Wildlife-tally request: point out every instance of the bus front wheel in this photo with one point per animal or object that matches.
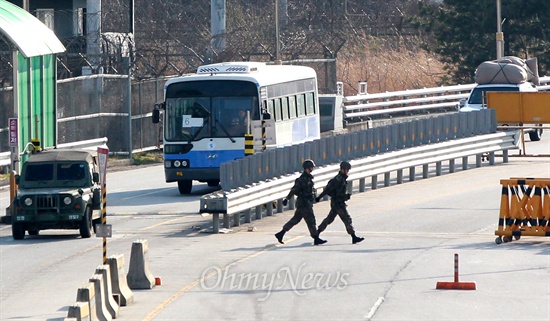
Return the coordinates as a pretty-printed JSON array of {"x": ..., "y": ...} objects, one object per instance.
[{"x": 185, "y": 186}]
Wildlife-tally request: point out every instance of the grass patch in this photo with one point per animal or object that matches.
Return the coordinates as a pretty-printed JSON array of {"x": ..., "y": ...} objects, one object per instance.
[{"x": 147, "y": 158}]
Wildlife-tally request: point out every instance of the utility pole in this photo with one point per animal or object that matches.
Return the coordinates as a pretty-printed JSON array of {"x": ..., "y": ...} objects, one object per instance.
[
  {"x": 499, "y": 34},
  {"x": 277, "y": 46}
]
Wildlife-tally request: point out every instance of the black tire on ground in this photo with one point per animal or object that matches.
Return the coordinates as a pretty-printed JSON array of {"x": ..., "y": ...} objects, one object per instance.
[
  {"x": 86, "y": 224},
  {"x": 535, "y": 135},
  {"x": 213, "y": 183},
  {"x": 185, "y": 186},
  {"x": 18, "y": 231}
]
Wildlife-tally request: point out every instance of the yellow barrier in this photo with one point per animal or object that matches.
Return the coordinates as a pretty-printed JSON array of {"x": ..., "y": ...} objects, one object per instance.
[
  {"x": 520, "y": 107},
  {"x": 248, "y": 144},
  {"x": 524, "y": 208}
]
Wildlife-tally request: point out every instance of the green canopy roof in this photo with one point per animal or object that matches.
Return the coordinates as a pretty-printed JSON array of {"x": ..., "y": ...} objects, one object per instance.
[{"x": 28, "y": 34}]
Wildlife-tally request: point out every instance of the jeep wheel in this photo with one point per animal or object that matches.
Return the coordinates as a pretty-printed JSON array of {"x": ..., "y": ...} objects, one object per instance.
[
  {"x": 185, "y": 186},
  {"x": 18, "y": 231},
  {"x": 86, "y": 224}
]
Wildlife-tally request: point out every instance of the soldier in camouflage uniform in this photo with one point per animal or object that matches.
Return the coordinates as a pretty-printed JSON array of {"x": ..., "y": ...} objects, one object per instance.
[
  {"x": 303, "y": 189},
  {"x": 337, "y": 190}
]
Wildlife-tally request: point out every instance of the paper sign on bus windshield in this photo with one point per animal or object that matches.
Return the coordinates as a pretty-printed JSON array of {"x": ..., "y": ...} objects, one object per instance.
[{"x": 188, "y": 121}]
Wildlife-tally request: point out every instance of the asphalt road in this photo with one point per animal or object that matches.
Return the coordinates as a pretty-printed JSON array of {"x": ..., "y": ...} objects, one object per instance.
[{"x": 412, "y": 232}]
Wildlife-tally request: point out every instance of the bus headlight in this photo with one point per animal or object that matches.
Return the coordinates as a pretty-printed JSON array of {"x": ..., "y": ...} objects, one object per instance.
[
  {"x": 184, "y": 163},
  {"x": 167, "y": 164},
  {"x": 177, "y": 163}
]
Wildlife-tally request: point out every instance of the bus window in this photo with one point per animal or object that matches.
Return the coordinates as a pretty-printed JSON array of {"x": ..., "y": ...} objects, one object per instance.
[
  {"x": 301, "y": 104},
  {"x": 284, "y": 107},
  {"x": 310, "y": 104},
  {"x": 292, "y": 106},
  {"x": 278, "y": 111},
  {"x": 270, "y": 110}
]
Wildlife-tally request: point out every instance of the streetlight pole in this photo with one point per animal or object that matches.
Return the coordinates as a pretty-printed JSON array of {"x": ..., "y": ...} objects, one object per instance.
[{"x": 499, "y": 34}]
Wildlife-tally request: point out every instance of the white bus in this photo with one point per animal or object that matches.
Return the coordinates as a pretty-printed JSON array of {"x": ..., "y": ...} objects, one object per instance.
[{"x": 206, "y": 116}]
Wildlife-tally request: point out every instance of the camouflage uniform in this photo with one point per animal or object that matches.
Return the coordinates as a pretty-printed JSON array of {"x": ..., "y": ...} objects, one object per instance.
[
  {"x": 303, "y": 189},
  {"x": 337, "y": 190}
]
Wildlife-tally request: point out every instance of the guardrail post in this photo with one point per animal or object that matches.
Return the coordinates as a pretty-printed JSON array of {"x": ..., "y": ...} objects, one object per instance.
[
  {"x": 451, "y": 165},
  {"x": 259, "y": 212},
  {"x": 361, "y": 185},
  {"x": 269, "y": 209},
  {"x": 216, "y": 223},
  {"x": 292, "y": 203},
  {"x": 438, "y": 169},
  {"x": 465, "y": 162},
  {"x": 425, "y": 171},
  {"x": 386, "y": 179},
  {"x": 505, "y": 156},
  {"x": 478, "y": 160},
  {"x": 226, "y": 223},
  {"x": 237, "y": 219},
  {"x": 399, "y": 176},
  {"x": 248, "y": 215},
  {"x": 491, "y": 158},
  {"x": 280, "y": 206},
  {"x": 412, "y": 173}
]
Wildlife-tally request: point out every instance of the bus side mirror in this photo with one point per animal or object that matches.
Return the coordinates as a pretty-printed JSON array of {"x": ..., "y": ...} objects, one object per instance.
[
  {"x": 156, "y": 112},
  {"x": 156, "y": 116},
  {"x": 95, "y": 177},
  {"x": 17, "y": 179}
]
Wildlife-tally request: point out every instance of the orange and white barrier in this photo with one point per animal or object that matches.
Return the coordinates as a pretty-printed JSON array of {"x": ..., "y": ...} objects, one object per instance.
[{"x": 524, "y": 209}]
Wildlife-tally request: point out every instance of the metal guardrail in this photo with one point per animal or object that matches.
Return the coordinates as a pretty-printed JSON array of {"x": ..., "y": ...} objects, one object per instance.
[
  {"x": 445, "y": 97},
  {"x": 5, "y": 159},
  {"x": 262, "y": 194},
  {"x": 354, "y": 145}
]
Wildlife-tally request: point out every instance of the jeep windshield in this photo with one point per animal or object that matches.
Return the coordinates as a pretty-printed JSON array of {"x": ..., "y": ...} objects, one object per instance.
[{"x": 59, "y": 174}]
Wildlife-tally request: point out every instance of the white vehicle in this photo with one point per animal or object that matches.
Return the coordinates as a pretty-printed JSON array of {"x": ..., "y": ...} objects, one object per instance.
[
  {"x": 478, "y": 100},
  {"x": 201, "y": 128}
]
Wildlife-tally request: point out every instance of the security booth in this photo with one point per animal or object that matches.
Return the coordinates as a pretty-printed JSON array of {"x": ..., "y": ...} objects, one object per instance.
[{"x": 34, "y": 80}]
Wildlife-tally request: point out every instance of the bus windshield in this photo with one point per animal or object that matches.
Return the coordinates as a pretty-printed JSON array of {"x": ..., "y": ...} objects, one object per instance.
[{"x": 194, "y": 117}]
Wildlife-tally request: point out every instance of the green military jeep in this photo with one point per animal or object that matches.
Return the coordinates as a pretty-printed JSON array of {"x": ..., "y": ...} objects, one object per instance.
[{"x": 58, "y": 189}]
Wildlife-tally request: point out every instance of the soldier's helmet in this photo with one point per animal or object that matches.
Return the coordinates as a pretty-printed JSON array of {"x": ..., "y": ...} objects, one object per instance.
[
  {"x": 308, "y": 163},
  {"x": 345, "y": 165}
]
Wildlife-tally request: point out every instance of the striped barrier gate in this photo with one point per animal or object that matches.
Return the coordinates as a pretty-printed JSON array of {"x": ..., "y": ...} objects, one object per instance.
[{"x": 524, "y": 209}]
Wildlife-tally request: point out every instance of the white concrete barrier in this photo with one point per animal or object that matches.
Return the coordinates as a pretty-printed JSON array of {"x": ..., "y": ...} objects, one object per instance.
[
  {"x": 86, "y": 294},
  {"x": 101, "y": 309},
  {"x": 80, "y": 311},
  {"x": 118, "y": 279},
  {"x": 110, "y": 303},
  {"x": 139, "y": 276}
]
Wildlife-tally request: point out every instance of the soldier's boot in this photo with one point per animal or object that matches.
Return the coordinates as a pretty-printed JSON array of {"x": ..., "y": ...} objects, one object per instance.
[
  {"x": 318, "y": 241},
  {"x": 356, "y": 239},
  {"x": 280, "y": 235}
]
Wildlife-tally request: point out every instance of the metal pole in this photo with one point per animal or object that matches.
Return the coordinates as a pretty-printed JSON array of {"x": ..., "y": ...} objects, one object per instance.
[
  {"x": 499, "y": 34},
  {"x": 277, "y": 46}
]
